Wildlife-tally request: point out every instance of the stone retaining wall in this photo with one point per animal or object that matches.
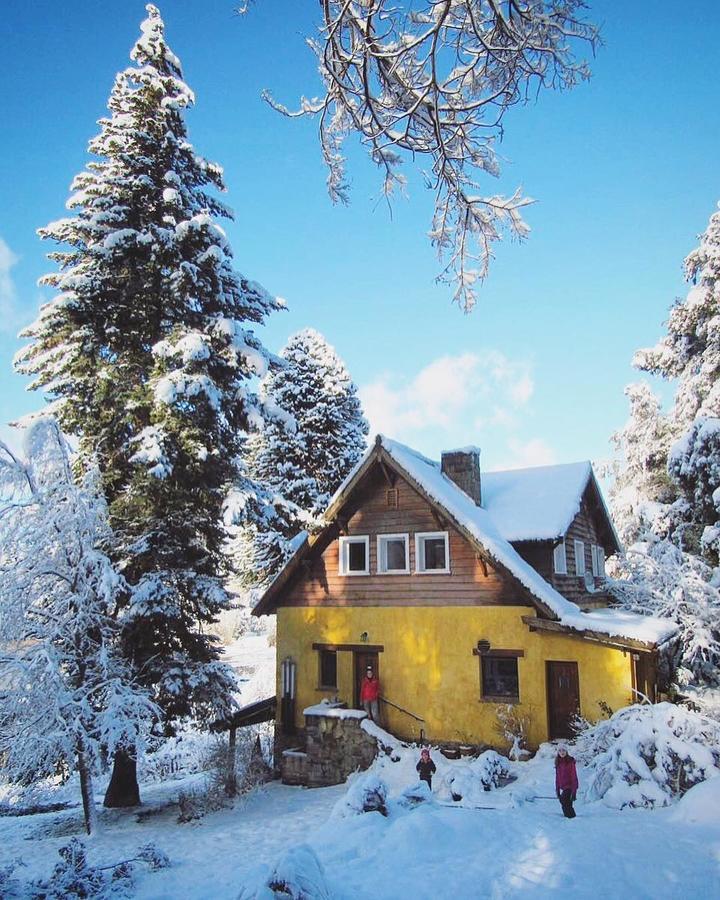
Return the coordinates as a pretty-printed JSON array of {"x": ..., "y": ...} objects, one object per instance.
[{"x": 335, "y": 747}]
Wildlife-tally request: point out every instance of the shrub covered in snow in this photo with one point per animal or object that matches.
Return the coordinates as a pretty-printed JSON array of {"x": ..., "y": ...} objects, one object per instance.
[
  {"x": 648, "y": 755},
  {"x": 512, "y": 725},
  {"x": 415, "y": 794},
  {"x": 74, "y": 876},
  {"x": 298, "y": 876},
  {"x": 488, "y": 771},
  {"x": 368, "y": 793}
]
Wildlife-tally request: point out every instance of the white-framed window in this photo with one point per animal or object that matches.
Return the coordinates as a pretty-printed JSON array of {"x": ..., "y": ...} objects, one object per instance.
[
  {"x": 560, "y": 559},
  {"x": 579, "y": 557},
  {"x": 393, "y": 553},
  {"x": 432, "y": 552},
  {"x": 598, "y": 561},
  {"x": 355, "y": 555}
]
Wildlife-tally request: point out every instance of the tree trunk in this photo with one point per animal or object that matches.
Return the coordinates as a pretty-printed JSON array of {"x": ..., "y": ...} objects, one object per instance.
[
  {"x": 123, "y": 789},
  {"x": 230, "y": 777},
  {"x": 86, "y": 789}
]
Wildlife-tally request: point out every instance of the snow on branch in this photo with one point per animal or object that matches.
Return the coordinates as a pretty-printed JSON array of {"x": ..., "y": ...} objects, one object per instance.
[
  {"x": 435, "y": 82},
  {"x": 67, "y": 697}
]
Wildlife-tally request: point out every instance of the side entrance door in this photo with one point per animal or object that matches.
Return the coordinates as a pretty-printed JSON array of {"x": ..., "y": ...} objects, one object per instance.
[
  {"x": 563, "y": 698},
  {"x": 363, "y": 659}
]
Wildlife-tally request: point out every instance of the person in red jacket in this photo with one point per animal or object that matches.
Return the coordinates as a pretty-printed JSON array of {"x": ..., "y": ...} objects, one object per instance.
[
  {"x": 566, "y": 781},
  {"x": 370, "y": 694}
]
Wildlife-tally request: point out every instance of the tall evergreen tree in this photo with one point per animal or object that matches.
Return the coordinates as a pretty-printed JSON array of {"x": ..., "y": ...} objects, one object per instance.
[
  {"x": 303, "y": 458},
  {"x": 642, "y": 488},
  {"x": 690, "y": 353},
  {"x": 667, "y": 490},
  {"x": 146, "y": 356}
]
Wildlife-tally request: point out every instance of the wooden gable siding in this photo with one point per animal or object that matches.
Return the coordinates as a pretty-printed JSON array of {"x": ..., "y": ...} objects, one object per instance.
[
  {"x": 468, "y": 584},
  {"x": 584, "y": 527}
]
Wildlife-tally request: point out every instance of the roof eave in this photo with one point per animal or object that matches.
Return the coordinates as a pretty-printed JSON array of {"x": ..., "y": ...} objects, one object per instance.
[{"x": 618, "y": 641}]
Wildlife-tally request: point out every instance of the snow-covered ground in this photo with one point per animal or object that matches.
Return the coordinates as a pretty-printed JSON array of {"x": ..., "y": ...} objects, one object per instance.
[
  {"x": 517, "y": 844},
  {"x": 253, "y": 658},
  {"x": 516, "y": 847}
]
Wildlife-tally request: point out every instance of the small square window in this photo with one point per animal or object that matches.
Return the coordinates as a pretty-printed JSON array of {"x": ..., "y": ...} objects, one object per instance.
[
  {"x": 432, "y": 552},
  {"x": 393, "y": 556},
  {"x": 328, "y": 669},
  {"x": 499, "y": 675},
  {"x": 579, "y": 557},
  {"x": 355, "y": 555},
  {"x": 560, "y": 559}
]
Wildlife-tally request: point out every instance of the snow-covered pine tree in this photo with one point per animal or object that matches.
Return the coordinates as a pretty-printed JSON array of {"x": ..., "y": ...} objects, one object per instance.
[
  {"x": 303, "y": 458},
  {"x": 641, "y": 489},
  {"x": 690, "y": 353},
  {"x": 666, "y": 496},
  {"x": 147, "y": 357},
  {"x": 67, "y": 693}
]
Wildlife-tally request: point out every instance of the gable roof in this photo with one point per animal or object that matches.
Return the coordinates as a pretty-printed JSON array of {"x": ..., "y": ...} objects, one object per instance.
[
  {"x": 540, "y": 503},
  {"x": 478, "y": 526}
]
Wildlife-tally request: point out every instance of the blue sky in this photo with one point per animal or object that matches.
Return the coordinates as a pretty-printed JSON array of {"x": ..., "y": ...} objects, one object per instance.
[{"x": 624, "y": 169}]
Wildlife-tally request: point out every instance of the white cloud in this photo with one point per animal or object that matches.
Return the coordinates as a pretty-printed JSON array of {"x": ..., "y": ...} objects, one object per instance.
[
  {"x": 534, "y": 452},
  {"x": 471, "y": 390},
  {"x": 473, "y": 397},
  {"x": 9, "y": 314}
]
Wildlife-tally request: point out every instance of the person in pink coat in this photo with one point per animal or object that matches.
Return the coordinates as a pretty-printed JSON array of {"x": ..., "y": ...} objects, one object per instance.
[{"x": 566, "y": 781}]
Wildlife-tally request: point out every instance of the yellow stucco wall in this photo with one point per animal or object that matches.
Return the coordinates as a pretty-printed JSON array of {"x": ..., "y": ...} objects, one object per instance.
[{"x": 428, "y": 666}]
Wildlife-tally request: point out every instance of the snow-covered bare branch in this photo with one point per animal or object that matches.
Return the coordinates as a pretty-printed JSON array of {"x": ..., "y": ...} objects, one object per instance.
[{"x": 433, "y": 81}]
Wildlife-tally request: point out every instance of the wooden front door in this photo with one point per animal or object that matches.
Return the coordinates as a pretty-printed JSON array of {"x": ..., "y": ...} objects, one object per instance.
[
  {"x": 363, "y": 659},
  {"x": 563, "y": 698}
]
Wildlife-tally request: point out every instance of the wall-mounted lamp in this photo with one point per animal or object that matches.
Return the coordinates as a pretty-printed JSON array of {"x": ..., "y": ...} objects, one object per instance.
[
  {"x": 483, "y": 646},
  {"x": 364, "y": 637}
]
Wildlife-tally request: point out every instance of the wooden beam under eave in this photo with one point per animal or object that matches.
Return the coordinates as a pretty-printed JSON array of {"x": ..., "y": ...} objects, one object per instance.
[
  {"x": 390, "y": 477},
  {"x": 619, "y": 643}
]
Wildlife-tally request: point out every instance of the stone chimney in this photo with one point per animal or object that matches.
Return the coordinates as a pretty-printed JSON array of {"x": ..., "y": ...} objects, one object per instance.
[{"x": 463, "y": 467}]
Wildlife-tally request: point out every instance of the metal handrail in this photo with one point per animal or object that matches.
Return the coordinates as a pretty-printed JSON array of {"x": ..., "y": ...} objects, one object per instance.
[{"x": 402, "y": 709}]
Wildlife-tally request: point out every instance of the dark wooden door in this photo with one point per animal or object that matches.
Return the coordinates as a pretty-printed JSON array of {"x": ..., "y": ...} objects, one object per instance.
[
  {"x": 363, "y": 659},
  {"x": 563, "y": 695}
]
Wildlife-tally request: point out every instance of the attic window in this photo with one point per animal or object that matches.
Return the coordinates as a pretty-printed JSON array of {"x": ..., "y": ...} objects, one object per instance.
[
  {"x": 393, "y": 556},
  {"x": 355, "y": 555},
  {"x": 598, "y": 561},
  {"x": 432, "y": 552},
  {"x": 392, "y": 497},
  {"x": 560, "y": 559},
  {"x": 579, "y": 557}
]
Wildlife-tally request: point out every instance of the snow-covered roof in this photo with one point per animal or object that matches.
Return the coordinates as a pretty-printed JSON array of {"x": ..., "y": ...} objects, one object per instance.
[
  {"x": 536, "y": 504},
  {"x": 480, "y": 523}
]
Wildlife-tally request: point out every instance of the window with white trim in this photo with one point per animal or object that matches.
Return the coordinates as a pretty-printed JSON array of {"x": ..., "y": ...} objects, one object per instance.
[
  {"x": 355, "y": 555},
  {"x": 432, "y": 552},
  {"x": 393, "y": 554},
  {"x": 560, "y": 559},
  {"x": 579, "y": 557},
  {"x": 598, "y": 561}
]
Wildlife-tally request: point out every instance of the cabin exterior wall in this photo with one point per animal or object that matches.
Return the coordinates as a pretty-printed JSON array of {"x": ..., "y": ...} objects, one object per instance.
[
  {"x": 427, "y": 666},
  {"x": 469, "y": 582}
]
